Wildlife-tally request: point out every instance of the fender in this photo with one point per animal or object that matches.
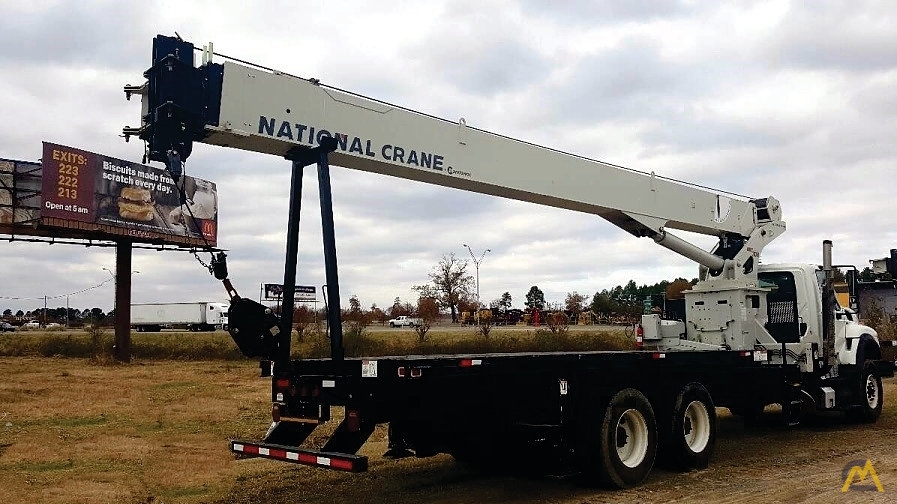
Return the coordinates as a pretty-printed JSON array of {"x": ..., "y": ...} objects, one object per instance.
[{"x": 859, "y": 343}]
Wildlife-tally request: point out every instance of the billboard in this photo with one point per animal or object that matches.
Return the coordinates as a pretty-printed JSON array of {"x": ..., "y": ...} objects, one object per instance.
[
  {"x": 20, "y": 188},
  {"x": 85, "y": 191},
  {"x": 303, "y": 292}
]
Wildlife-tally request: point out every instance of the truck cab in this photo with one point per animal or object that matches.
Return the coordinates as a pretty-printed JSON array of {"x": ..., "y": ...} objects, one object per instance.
[
  {"x": 217, "y": 315},
  {"x": 796, "y": 311}
]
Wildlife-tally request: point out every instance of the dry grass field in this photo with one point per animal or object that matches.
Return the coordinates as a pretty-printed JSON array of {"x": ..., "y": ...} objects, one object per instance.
[
  {"x": 74, "y": 431},
  {"x": 80, "y": 430}
]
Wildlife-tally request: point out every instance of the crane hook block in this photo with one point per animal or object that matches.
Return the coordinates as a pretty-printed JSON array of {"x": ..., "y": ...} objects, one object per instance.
[{"x": 219, "y": 266}]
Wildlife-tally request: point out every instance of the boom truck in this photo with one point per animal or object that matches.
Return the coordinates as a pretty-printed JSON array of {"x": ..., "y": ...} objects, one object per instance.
[{"x": 754, "y": 334}]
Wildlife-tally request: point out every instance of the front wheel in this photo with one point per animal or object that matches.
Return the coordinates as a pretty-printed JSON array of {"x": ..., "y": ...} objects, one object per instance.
[
  {"x": 627, "y": 442},
  {"x": 870, "y": 395}
]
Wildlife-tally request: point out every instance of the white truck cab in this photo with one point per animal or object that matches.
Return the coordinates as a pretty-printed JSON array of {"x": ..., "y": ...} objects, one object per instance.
[{"x": 796, "y": 311}]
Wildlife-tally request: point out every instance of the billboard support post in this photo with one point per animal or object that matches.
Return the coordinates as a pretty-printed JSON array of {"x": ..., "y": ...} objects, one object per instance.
[{"x": 123, "y": 249}]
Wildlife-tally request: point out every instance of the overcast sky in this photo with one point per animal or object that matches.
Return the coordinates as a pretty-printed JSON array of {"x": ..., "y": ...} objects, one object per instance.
[{"x": 797, "y": 100}]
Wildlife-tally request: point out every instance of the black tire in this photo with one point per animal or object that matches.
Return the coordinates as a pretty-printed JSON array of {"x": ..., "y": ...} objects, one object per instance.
[
  {"x": 869, "y": 395},
  {"x": 392, "y": 325},
  {"x": 624, "y": 452},
  {"x": 689, "y": 438}
]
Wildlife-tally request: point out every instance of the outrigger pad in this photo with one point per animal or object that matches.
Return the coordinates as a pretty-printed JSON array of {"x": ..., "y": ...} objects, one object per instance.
[{"x": 253, "y": 327}]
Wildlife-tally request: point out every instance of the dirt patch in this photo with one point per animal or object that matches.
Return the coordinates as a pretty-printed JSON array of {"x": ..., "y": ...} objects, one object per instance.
[{"x": 71, "y": 431}]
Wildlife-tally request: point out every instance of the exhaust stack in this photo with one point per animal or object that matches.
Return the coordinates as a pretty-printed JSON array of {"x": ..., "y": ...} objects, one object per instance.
[{"x": 828, "y": 306}]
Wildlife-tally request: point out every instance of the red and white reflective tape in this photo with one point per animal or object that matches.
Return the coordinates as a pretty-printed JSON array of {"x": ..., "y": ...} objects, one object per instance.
[{"x": 295, "y": 456}]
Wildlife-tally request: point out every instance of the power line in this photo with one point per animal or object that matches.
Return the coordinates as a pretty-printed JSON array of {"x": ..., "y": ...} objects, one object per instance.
[{"x": 57, "y": 296}]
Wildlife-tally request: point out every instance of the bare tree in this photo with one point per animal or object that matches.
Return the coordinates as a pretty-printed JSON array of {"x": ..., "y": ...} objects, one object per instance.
[
  {"x": 557, "y": 320},
  {"x": 428, "y": 312},
  {"x": 451, "y": 283},
  {"x": 302, "y": 318}
]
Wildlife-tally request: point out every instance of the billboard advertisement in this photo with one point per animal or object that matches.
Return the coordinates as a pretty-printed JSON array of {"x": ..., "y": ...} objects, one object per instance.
[
  {"x": 86, "y": 191},
  {"x": 20, "y": 188},
  {"x": 303, "y": 292}
]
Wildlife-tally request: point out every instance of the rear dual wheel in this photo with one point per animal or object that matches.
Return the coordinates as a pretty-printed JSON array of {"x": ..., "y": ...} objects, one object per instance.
[
  {"x": 623, "y": 453},
  {"x": 690, "y": 434}
]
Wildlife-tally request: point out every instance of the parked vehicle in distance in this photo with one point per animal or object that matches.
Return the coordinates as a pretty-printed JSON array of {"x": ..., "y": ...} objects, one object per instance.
[
  {"x": 54, "y": 325},
  {"x": 404, "y": 321},
  {"x": 33, "y": 324},
  {"x": 6, "y": 327}
]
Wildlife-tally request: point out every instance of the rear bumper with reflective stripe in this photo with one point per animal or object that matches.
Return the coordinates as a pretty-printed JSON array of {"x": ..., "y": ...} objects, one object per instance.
[{"x": 328, "y": 460}]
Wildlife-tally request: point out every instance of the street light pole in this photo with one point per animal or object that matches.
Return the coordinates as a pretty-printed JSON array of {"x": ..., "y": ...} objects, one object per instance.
[{"x": 476, "y": 264}]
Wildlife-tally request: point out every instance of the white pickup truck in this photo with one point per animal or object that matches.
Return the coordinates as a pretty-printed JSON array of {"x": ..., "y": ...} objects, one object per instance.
[{"x": 404, "y": 321}]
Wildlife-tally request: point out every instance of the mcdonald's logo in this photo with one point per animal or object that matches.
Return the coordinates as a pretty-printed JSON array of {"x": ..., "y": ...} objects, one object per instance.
[
  {"x": 208, "y": 228},
  {"x": 852, "y": 471}
]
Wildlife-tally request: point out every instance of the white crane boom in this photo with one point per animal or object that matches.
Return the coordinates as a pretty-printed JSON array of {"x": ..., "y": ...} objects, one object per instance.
[{"x": 260, "y": 110}]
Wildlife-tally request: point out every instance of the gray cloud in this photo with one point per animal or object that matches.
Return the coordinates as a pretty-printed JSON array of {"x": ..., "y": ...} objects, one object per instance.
[
  {"x": 586, "y": 12},
  {"x": 479, "y": 52},
  {"x": 685, "y": 133},
  {"x": 75, "y": 34},
  {"x": 501, "y": 66},
  {"x": 628, "y": 82},
  {"x": 836, "y": 35}
]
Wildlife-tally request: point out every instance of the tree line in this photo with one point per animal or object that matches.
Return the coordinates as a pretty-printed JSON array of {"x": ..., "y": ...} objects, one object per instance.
[
  {"x": 75, "y": 317},
  {"x": 450, "y": 290}
]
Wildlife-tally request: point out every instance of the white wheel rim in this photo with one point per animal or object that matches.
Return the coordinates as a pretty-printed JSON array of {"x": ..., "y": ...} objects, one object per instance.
[
  {"x": 631, "y": 440},
  {"x": 696, "y": 426},
  {"x": 872, "y": 392}
]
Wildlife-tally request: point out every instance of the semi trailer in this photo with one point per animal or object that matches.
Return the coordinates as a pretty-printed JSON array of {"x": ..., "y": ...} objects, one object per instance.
[
  {"x": 753, "y": 334},
  {"x": 202, "y": 316}
]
